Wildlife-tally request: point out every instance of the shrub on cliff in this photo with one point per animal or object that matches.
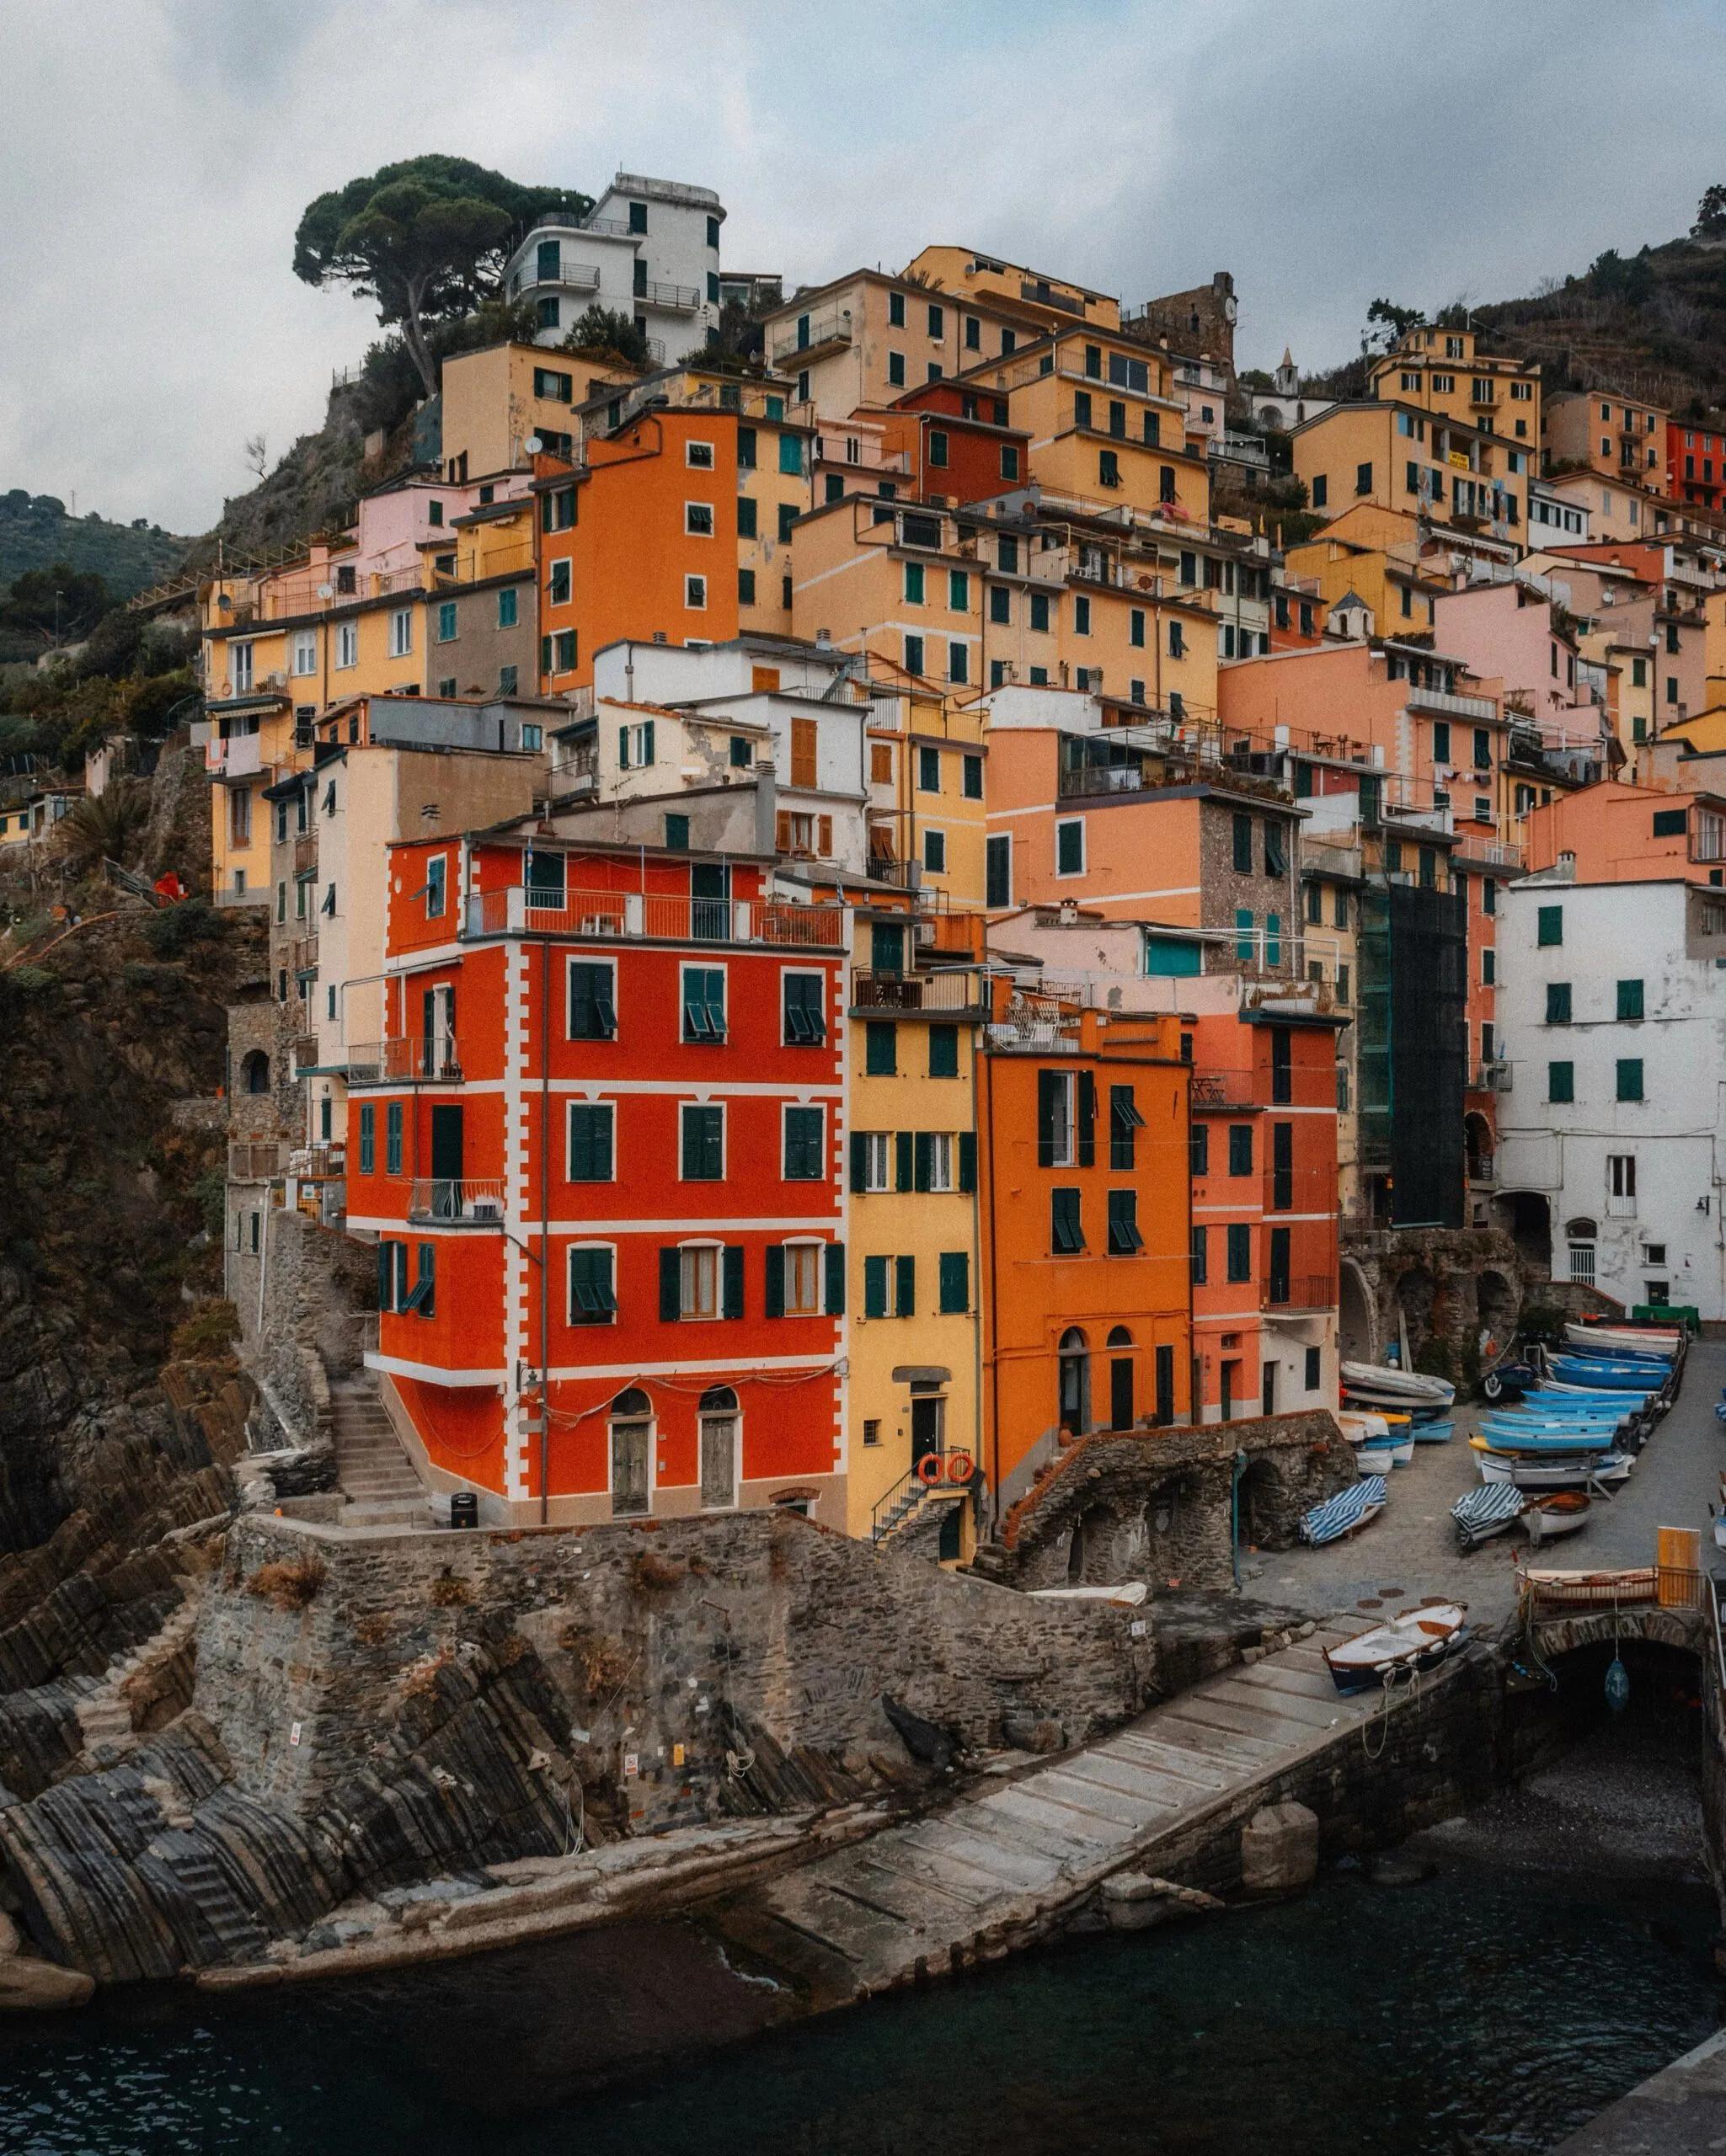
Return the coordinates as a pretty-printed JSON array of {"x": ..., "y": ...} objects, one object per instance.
[
  {"x": 171, "y": 933},
  {"x": 288, "y": 1585},
  {"x": 210, "y": 1331}
]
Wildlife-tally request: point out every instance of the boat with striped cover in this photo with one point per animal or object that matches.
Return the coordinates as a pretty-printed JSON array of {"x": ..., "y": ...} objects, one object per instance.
[
  {"x": 1346, "y": 1513},
  {"x": 1489, "y": 1509}
]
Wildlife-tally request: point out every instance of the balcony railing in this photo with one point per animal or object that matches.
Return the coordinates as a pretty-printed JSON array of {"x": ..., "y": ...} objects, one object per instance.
[
  {"x": 572, "y": 276},
  {"x": 1496, "y": 852},
  {"x": 1451, "y": 707},
  {"x": 305, "y": 1053},
  {"x": 957, "y": 990},
  {"x": 889, "y": 869},
  {"x": 240, "y": 755},
  {"x": 675, "y": 299},
  {"x": 254, "y": 1159},
  {"x": 576, "y": 774},
  {"x": 318, "y": 1163},
  {"x": 302, "y": 954},
  {"x": 614, "y": 916},
  {"x": 824, "y": 332},
  {"x": 305, "y": 853},
  {"x": 409, "y": 1059},
  {"x": 457, "y": 1202},
  {"x": 1036, "y": 1024},
  {"x": 1223, "y": 1089},
  {"x": 1300, "y": 1291}
]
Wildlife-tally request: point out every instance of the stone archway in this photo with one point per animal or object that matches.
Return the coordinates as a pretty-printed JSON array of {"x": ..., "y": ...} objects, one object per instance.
[
  {"x": 1497, "y": 1303},
  {"x": 1417, "y": 1293},
  {"x": 1357, "y": 1316},
  {"x": 1529, "y": 1220}
]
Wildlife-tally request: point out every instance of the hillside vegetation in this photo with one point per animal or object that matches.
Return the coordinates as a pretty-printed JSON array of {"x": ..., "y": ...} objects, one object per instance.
[{"x": 36, "y": 532}]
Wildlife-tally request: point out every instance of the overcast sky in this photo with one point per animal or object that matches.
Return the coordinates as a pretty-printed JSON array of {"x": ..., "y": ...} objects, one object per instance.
[{"x": 157, "y": 153}]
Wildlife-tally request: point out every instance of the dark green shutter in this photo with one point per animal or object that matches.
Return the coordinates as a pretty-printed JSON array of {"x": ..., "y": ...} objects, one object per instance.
[
  {"x": 734, "y": 1280},
  {"x": 647, "y": 755},
  {"x": 902, "y": 1160},
  {"x": 924, "y": 1173},
  {"x": 967, "y": 1160},
  {"x": 774, "y": 1304},
  {"x": 1087, "y": 1119},
  {"x": 386, "y": 1277},
  {"x": 905, "y": 1299},
  {"x": 835, "y": 1264},
  {"x": 670, "y": 1284},
  {"x": 955, "y": 1282},
  {"x": 859, "y": 1160},
  {"x": 1048, "y": 1084},
  {"x": 874, "y": 1287}
]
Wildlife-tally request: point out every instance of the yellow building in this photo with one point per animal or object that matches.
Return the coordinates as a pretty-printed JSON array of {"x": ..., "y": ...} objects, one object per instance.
[
  {"x": 1376, "y": 554},
  {"x": 1445, "y": 372},
  {"x": 927, "y": 811},
  {"x": 863, "y": 339},
  {"x": 1027, "y": 295},
  {"x": 494, "y": 401},
  {"x": 1399, "y": 456},
  {"x": 916, "y": 1325}
]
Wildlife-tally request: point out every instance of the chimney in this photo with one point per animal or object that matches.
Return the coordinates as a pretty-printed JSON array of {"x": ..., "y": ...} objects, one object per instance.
[
  {"x": 823, "y": 639},
  {"x": 766, "y": 809}
]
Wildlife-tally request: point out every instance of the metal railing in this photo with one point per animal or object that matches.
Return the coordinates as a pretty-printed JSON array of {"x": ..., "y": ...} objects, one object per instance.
[
  {"x": 572, "y": 276},
  {"x": 254, "y": 1159},
  {"x": 576, "y": 774},
  {"x": 456, "y": 1201},
  {"x": 675, "y": 299},
  {"x": 1453, "y": 707},
  {"x": 302, "y": 954},
  {"x": 1300, "y": 1291},
  {"x": 405, "y": 1060},
  {"x": 1044, "y": 294},
  {"x": 305, "y": 853},
  {"x": 318, "y": 1163},
  {"x": 960, "y": 989},
  {"x": 305, "y": 1053},
  {"x": 830, "y": 327},
  {"x": 612, "y": 915},
  {"x": 1037, "y": 1024},
  {"x": 1222, "y": 1089}
]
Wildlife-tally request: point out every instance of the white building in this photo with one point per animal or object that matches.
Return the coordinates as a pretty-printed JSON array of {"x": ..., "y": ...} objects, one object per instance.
[
  {"x": 1611, "y": 1005},
  {"x": 649, "y": 249},
  {"x": 1284, "y": 405}
]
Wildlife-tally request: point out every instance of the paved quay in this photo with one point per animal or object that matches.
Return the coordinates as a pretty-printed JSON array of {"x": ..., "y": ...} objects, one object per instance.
[{"x": 1410, "y": 1550}]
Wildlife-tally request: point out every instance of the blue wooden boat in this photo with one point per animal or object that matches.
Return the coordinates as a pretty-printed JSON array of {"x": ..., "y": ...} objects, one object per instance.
[
  {"x": 1503, "y": 1439},
  {"x": 1433, "y": 1434},
  {"x": 1605, "y": 1377},
  {"x": 1346, "y": 1513}
]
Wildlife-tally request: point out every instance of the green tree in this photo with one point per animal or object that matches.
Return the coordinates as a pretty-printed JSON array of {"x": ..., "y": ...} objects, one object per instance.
[
  {"x": 426, "y": 238},
  {"x": 54, "y": 606},
  {"x": 602, "y": 329},
  {"x": 1386, "y": 321},
  {"x": 105, "y": 826},
  {"x": 1710, "y": 214}
]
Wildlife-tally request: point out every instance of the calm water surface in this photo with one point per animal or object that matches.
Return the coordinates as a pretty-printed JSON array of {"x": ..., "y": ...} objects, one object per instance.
[{"x": 1480, "y": 2010}]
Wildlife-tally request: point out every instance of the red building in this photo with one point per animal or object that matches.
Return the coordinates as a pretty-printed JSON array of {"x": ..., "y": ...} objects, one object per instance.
[
  {"x": 1695, "y": 464},
  {"x": 599, "y": 1151},
  {"x": 956, "y": 442}
]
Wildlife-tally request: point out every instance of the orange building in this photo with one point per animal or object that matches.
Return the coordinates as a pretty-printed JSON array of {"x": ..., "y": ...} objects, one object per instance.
[
  {"x": 1620, "y": 833},
  {"x": 956, "y": 442},
  {"x": 1083, "y": 1229}
]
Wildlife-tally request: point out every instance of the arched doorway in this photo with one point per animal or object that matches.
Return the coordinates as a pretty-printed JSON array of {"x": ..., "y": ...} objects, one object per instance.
[
  {"x": 631, "y": 1438},
  {"x": 1530, "y": 1224},
  {"x": 1581, "y": 1239},
  {"x": 1075, "y": 1383},
  {"x": 254, "y": 1071},
  {"x": 1257, "y": 1501},
  {"x": 1477, "y": 1146},
  {"x": 1120, "y": 1379},
  {"x": 1416, "y": 1293},
  {"x": 720, "y": 1429},
  {"x": 1497, "y": 1303},
  {"x": 1357, "y": 1333}
]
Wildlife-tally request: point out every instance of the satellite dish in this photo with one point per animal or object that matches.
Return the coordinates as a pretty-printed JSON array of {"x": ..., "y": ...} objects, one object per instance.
[
  {"x": 533, "y": 445},
  {"x": 326, "y": 590}
]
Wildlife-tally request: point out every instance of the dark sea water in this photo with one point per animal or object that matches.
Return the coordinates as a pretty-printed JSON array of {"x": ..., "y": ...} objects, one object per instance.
[{"x": 1470, "y": 2012}]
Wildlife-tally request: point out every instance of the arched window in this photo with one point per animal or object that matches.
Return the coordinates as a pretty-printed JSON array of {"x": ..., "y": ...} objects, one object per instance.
[
  {"x": 718, "y": 1400},
  {"x": 1075, "y": 1362},
  {"x": 1120, "y": 1336},
  {"x": 1580, "y": 1248},
  {"x": 254, "y": 1071}
]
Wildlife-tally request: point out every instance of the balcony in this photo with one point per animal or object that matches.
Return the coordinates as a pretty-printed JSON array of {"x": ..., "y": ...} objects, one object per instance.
[
  {"x": 1496, "y": 853},
  {"x": 670, "y": 299},
  {"x": 409, "y": 1059},
  {"x": 239, "y": 755},
  {"x": 306, "y": 854},
  {"x": 1452, "y": 706},
  {"x": 903, "y": 875},
  {"x": 305, "y": 1055},
  {"x": 571, "y": 276},
  {"x": 813, "y": 336},
  {"x": 578, "y": 774},
  {"x": 960, "y": 990},
  {"x": 1223, "y": 1089},
  {"x": 1491, "y": 1077},
  {"x": 1298, "y": 1294},
  {"x": 318, "y": 1163},
  {"x": 1041, "y": 293},
  {"x": 255, "y": 1159},
  {"x": 614, "y": 916},
  {"x": 302, "y": 954},
  {"x": 1036, "y": 1025},
  {"x": 457, "y": 1202}
]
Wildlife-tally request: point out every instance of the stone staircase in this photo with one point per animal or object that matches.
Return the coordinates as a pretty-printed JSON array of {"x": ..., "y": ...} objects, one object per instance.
[
  {"x": 103, "y": 1714},
  {"x": 376, "y": 1475}
]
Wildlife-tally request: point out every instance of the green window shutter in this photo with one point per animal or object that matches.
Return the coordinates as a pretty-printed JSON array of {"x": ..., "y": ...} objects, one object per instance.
[
  {"x": 623, "y": 748},
  {"x": 773, "y": 1303},
  {"x": 1561, "y": 1082},
  {"x": 1244, "y": 932},
  {"x": 943, "y": 1051},
  {"x": 903, "y": 1154},
  {"x": 880, "y": 1045},
  {"x": 386, "y": 1277},
  {"x": 923, "y": 1174},
  {"x": 733, "y": 1264},
  {"x": 1558, "y": 1002},
  {"x": 401, "y": 1254},
  {"x": 1243, "y": 845},
  {"x": 647, "y": 754},
  {"x": 1201, "y": 1257},
  {"x": 1066, "y": 1224},
  {"x": 368, "y": 1138},
  {"x": 955, "y": 1282},
  {"x": 1630, "y": 1078},
  {"x": 967, "y": 1160},
  {"x": 1240, "y": 1149},
  {"x": 392, "y": 1138},
  {"x": 1087, "y": 1119},
  {"x": 1240, "y": 1251},
  {"x": 670, "y": 1284},
  {"x": 833, "y": 1265},
  {"x": 874, "y": 1287},
  {"x": 1048, "y": 1085},
  {"x": 1630, "y": 999},
  {"x": 859, "y": 1160},
  {"x": 1550, "y": 928},
  {"x": 905, "y": 1287}
]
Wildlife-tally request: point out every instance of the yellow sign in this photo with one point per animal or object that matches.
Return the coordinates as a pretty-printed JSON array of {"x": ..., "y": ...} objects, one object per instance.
[{"x": 1460, "y": 458}]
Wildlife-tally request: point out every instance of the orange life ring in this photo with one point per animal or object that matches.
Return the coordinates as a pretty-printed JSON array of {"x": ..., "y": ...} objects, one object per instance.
[
  {"x": 960, "y": 1467},
  {"x": 929, "y": 1469}
]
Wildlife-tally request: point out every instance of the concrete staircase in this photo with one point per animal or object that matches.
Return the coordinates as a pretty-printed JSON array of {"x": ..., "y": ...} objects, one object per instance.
[
  {"x": 103, "y": 1714},
  {"x": 376, "y": 1475}
]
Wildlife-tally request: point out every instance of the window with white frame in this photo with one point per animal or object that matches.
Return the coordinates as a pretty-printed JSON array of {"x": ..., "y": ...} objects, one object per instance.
[
  {"x": 347, "y": 643},
  {"x": 695, "y": 592},
  {"x": 803, "y": 1279},
  {"x": 239, "y": 663},
  {"x": 698, "y": 456},
  {"x": 940, "y": 1160},
  {"x": 401, "y": 632},
  {"x": 875, "y": 1149},
  {"x": 636, "y": 745},
  {"x": 699, "y": 1280},
  {"x": 305, "y": 651},
  {"x": 698, "y": 520}
]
